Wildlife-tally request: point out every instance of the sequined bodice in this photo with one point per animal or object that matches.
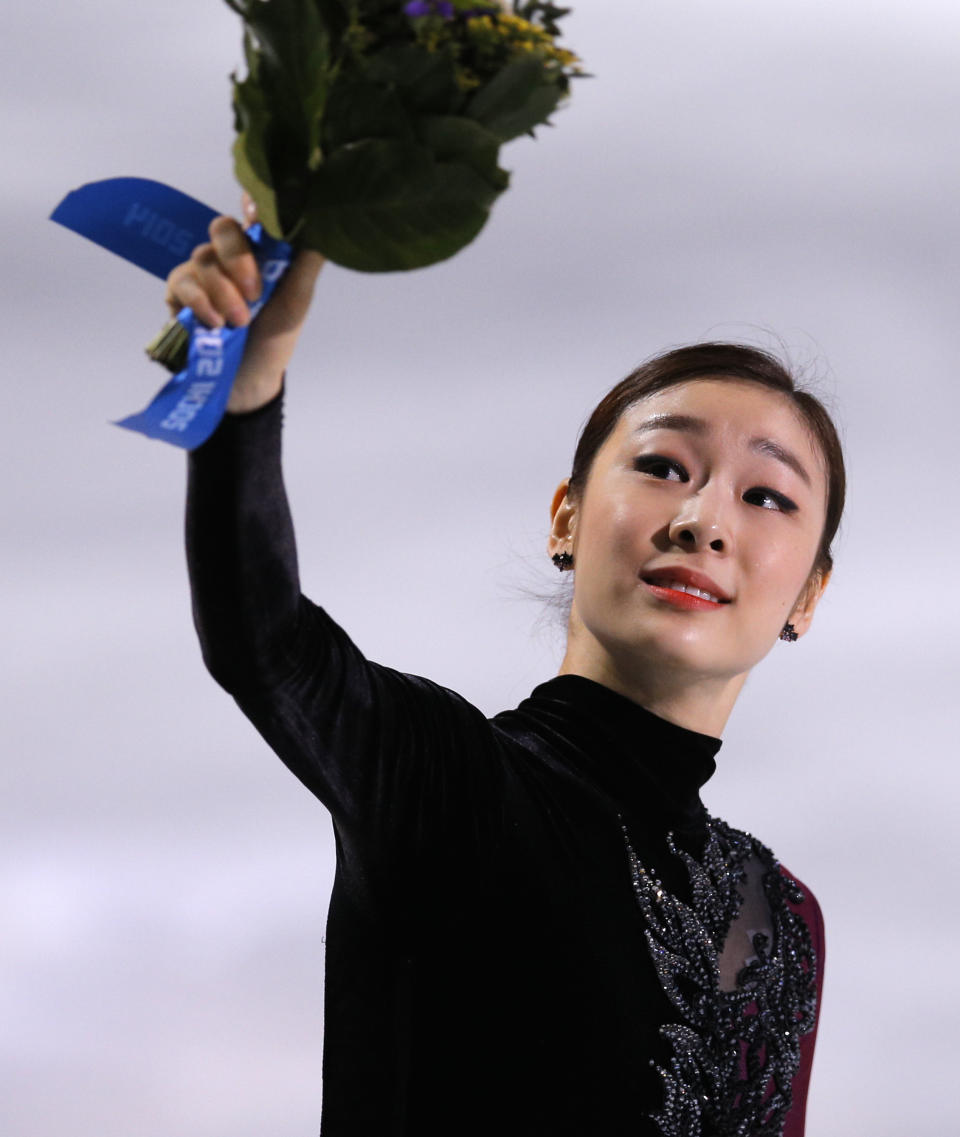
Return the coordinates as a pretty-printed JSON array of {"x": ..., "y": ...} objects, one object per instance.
[{"x": 738, "y": 967}]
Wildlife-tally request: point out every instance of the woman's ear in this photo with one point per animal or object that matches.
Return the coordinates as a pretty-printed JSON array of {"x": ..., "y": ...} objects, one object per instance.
[
  {"x": 563, "y": 517},
  {"x": 802, "y": 615}
]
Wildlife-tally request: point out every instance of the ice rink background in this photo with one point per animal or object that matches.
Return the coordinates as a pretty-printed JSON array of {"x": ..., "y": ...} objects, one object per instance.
[{"x": 739, "y": 170}]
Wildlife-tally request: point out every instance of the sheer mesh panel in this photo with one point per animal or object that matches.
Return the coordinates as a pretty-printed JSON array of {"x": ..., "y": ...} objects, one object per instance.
[{"x": 753, "y": 917}]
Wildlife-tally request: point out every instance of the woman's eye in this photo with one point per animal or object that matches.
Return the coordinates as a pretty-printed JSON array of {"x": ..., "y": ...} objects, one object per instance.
[
  {"x": 769, "y": 499},
  {"x": 659, "y": 467}
]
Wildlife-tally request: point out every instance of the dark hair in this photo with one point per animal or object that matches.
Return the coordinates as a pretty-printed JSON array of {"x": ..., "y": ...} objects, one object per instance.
[{"x": 721, "y": 361}]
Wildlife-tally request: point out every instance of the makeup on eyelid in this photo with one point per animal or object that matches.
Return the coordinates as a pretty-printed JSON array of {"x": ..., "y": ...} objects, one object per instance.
[{"x": 647, "y": 464}]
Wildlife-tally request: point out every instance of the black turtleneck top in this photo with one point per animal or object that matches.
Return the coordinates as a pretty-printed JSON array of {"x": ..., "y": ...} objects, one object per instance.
[{"x": 529, "y": 911}]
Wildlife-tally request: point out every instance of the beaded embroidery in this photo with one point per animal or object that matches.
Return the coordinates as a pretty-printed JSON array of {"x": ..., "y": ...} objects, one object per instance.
[{"x": 735, "y": 1053}]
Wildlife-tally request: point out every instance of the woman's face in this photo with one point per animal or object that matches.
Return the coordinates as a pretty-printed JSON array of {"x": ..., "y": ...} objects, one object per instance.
[{"x": 712, "y": 485}]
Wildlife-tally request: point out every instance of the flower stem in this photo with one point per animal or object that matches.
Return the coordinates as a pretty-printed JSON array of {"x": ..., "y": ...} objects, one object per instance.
[{"x": 169, "y": 346}]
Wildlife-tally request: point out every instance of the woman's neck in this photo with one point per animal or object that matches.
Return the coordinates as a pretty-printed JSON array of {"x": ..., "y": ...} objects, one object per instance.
[{"x": 694, "y": 701}]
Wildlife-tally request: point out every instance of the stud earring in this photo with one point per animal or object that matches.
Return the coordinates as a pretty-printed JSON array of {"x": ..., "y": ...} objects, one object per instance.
[
  {"x": 788, "y": 634},
  {"x": 563, "y": 561}
]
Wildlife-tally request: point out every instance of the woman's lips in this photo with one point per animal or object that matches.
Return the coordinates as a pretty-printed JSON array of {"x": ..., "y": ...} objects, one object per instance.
[
  {"x": 682, "y": 586},
  {"x": 685, "y": 600}
]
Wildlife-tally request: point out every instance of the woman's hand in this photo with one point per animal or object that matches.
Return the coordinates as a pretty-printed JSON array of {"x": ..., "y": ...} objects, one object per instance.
[{"x": 220, "y": 280}]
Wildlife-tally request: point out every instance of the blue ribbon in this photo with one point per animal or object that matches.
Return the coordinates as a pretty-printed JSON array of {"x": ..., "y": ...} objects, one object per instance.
[{"x": 156, "y": 227}]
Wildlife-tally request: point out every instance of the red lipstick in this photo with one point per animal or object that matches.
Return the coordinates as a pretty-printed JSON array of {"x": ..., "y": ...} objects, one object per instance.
[
  {"x": 683, "y": 599},
  {"x": 658, "y": 580}
]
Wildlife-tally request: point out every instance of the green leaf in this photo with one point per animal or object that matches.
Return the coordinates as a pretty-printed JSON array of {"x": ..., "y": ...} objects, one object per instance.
[
  {"x": 544, "y": 14},
  {"x": 454, "y": 139},
  {"x": 248, "y": 175},
  {"x": 279, "y": 107},
  {"x": 251, "y": 116},
  {"x": 426, "y": 80},
  {"x": 516, "y": 100},
  {"x": 358, "y": 109},
  {"x": 382, "y": 206}
]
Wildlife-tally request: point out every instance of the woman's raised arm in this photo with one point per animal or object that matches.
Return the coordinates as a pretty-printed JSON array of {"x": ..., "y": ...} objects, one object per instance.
[
  {"x": 376, "y": 746},
  {"x": 240, "y": 545}
]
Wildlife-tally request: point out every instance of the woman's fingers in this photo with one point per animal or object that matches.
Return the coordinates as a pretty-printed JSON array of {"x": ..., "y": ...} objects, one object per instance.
[
  {"x": 235, "y": 256},
  {"x": 220, "y": 288},
  {"x": 219, "y": 280},
  {"x": 184, "y": 291},
  {"x": 202, "y": 285}
]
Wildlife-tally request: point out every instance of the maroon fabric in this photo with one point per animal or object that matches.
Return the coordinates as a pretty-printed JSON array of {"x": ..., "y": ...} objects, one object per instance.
[{"x": 809, "y": 911}]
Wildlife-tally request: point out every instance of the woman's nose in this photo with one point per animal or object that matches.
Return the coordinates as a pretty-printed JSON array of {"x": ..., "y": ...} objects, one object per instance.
[{"x": 699, "y": 526}]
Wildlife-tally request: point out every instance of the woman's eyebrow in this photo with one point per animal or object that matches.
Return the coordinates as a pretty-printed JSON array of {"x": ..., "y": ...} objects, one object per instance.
[
  {"x": 673, "y": 422},
  {"x": 775, "y": 450},
  {"x": 693, "y": 425}
]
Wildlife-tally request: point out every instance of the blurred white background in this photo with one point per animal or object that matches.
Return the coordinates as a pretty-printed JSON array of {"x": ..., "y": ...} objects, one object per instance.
[{"x": 769, "y": 171}]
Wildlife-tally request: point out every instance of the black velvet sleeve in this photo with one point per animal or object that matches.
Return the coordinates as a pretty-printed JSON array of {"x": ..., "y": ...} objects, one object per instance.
[
  {"x": 397, "y": 759},
  {"x": 241, "y": 552}
]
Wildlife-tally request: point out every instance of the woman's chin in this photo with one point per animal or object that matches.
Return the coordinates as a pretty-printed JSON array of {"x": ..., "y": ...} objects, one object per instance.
[{"x": 688, "y": 654}]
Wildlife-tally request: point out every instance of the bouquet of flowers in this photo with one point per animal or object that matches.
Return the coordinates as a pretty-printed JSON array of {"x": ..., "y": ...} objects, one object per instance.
[{"x": 370, "y": 130}]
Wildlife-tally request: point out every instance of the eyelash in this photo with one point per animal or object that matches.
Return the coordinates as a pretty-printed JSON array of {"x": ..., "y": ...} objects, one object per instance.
[
  {"x": 783, "y": 504},
  {"x": 648, "y": 463}
]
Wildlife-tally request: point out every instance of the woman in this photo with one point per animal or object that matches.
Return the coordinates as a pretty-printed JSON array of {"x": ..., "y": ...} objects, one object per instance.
[{"x": 535, "y": 926}]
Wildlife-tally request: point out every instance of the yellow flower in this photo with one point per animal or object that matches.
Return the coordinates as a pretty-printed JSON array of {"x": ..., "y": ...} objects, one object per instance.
[{"x": 466, "y": 80}]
